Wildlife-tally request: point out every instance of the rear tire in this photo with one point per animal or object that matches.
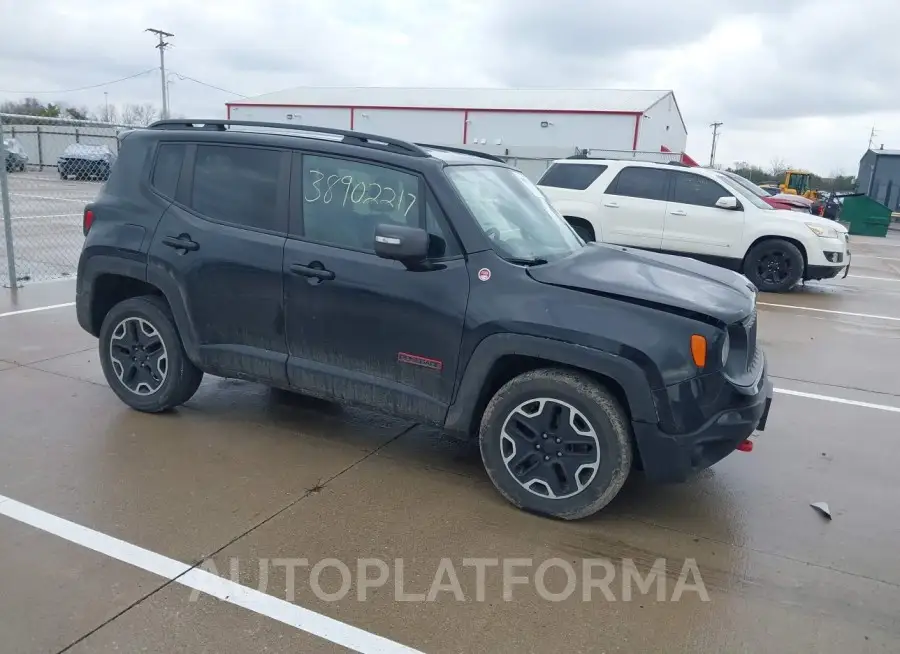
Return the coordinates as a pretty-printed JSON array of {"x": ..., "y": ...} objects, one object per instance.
[
  {"x": 774, "y": 265},
  {"x": 556, "y": 443},
  {"x": 143, "y": 358}
]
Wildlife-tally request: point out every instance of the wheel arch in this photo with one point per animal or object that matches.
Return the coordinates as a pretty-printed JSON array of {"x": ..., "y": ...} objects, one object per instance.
[
  {"x": 104, "y": 281},
  {"x": 583, "y": 223},
  {"x": 500, "y": 357},
  {"x": 774, "y": 237}
]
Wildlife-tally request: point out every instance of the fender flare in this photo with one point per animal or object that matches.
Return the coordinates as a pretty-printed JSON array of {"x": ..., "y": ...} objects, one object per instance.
[
  {"x": 491, "y": 349},
  {"x": 101, "y": 264}
]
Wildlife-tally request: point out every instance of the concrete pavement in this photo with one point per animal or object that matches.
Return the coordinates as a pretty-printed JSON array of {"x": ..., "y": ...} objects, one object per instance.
[{"x": 253, "y": 484}]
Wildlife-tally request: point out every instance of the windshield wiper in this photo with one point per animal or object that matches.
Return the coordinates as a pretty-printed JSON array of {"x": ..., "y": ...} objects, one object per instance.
[{"x": 537, "y": 261}]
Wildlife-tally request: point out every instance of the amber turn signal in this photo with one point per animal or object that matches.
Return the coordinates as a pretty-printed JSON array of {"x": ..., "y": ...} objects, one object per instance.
[{"x": 698, "y": 350}]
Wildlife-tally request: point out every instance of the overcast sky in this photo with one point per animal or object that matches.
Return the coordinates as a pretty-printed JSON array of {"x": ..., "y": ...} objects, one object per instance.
[{"x": 803, "y": 81}]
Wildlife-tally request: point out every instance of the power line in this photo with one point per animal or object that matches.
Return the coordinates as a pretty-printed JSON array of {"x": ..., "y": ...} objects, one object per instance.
[
  {"x": 83, "y": 88},
  {"x": 212, "y": 86}
]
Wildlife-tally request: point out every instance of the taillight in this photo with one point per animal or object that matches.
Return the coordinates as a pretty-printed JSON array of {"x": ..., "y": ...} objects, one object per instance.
[{"x": 87, "y": 221}]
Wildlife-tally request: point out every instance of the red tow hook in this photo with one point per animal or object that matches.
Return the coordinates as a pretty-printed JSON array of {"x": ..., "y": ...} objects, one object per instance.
[{"x": 746, "y": 446}]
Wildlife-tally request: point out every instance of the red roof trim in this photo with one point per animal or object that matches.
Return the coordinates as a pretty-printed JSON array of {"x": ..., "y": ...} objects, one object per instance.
[{"x": 462, "y": 109}]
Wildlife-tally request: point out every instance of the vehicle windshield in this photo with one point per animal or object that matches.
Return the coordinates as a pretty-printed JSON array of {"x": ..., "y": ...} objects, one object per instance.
[
  {"x": 514, "y": 214},
  {"x": 745, "y": 189}
]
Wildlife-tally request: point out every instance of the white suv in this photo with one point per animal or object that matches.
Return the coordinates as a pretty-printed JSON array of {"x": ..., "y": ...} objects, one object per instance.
[{"x": 696, "y": 212}]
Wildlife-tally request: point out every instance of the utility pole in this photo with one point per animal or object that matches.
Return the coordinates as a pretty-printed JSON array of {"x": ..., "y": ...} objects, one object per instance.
[
  {"x": 106, "y": 106},
  {"x": 162, "y": 45},
  {"x": 715, "y": 142}
]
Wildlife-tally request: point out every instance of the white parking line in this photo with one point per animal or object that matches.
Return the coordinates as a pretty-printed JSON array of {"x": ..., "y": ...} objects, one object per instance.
[
  {"x": 872, "y": 256},
  {"x": 839, "y": 400},
  {"x": 842, "y": 313},
  {"x": 47, "y": 197},
  {"x": 878, "y": 279},
  {"x": 36, "y": 309},
  {"x": 226, "y": 590},
  {"x": 46, "y": 216}
]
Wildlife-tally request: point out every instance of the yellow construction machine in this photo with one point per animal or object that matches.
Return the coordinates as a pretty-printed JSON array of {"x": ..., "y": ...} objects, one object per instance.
[{"x": 796, "y": 182}]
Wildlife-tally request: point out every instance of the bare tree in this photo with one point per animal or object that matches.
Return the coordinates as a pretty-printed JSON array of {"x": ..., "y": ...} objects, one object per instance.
[
  {"x": 778, "y": 166},
  {"x": 139, "y": 114}
]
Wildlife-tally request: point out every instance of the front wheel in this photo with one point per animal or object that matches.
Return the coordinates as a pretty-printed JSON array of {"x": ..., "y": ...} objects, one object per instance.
[
  {"x": 774, "y": 266},
  {"x": 556, "y": 443},
  {"x": 142, "y": 356}
]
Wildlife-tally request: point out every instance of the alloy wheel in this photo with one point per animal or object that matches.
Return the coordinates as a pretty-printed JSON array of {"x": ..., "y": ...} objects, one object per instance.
[
  {"x": 138, "y": 356},
  {"x": 550, "y": 448},
  {"x": 774, "y": 267}
]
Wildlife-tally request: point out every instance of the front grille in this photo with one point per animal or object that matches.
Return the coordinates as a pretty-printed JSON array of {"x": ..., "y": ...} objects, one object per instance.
[
  {"x": 743, "y": 353},
  {"x": 750, "y": 331}
]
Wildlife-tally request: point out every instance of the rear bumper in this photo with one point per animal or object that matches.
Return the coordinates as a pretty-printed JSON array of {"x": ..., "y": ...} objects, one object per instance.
[{"x": 708, "y": 418}]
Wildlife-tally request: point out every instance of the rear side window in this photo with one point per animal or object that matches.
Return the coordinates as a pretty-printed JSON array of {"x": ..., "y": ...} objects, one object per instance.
[
  {"x": 237, "y": 185},
  {"x": 639, "y": 182},
  {"x": 167, "y": 169},
  {"x": 694, "y": 189},
  {"x": 576, "y": 177}
]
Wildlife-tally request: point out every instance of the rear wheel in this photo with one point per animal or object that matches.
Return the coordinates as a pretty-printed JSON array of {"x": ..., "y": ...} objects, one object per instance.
[
  {"x": 556, "y": 443},
  {"x": 774, "y": 265},
  {"x": 142, "y": 356}
]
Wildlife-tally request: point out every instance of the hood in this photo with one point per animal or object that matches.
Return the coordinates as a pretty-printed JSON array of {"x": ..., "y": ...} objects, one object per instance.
[
  {"x": 663, "y": 279},
  {"x": 784, "y": 204},
  {"x": 795, "y": 200},
  {"x": 812, "y": 219}
]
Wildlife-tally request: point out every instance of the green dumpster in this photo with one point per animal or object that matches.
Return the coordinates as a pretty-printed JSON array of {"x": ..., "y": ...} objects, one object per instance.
[{"x": 865, "y": 216}]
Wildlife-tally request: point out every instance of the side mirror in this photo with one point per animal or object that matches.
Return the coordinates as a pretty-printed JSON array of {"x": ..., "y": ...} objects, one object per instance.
[
  {"x": 728, "y": 202},
  {"x": 401, "y": 243}
]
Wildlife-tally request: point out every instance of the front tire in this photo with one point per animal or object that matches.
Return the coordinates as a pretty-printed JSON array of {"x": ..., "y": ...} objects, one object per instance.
[
  {"x": 556, "y": 443},
  {"x": 774, "y": 265},
  {"x": 143, "y": 358}
]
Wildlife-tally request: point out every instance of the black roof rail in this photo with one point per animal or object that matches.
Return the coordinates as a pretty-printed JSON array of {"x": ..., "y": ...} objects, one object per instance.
[
  {"x": 474, "y": 153},
  {"x": 678, "y": 163},
  {"x": 350, "y": 136}
]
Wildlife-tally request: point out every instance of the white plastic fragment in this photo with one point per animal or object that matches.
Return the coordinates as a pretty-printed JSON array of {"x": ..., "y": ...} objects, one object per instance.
[{"x": 822, "y": 507}]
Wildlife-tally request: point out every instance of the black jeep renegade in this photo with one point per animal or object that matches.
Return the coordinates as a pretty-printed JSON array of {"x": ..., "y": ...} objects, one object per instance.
[{"x": 425, "y": 281}]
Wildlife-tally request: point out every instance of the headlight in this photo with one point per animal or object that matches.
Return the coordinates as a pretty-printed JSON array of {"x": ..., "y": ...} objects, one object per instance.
[
  {"x": 726, "y": 348},
  {"x": 823, "y": 232}
]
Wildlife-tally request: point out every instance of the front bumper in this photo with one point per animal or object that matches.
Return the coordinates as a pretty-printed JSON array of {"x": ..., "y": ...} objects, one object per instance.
[
  {"x": 828, "y": 263},
  {"x": 701, "y": 422}
]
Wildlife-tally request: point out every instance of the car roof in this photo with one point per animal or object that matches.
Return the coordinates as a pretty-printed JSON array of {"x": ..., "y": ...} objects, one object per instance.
[
  {"x": 668, "y": 165},
  {"x": 448, "y": 155}
]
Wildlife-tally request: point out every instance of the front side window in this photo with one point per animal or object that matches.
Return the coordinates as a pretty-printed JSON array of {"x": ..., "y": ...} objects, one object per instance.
[
  {"x": 344, "y": 201},
  {"x": 640, "y": 182},
  {"x": 513, "y": 213},
  {"x": 743, "y": 193},
  {"x": 697, "y": 190},
  {"x": 237, "y": 185}
]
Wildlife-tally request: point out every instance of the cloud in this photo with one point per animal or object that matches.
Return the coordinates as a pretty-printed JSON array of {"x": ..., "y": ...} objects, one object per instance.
[{"x": 803, "y": 81}]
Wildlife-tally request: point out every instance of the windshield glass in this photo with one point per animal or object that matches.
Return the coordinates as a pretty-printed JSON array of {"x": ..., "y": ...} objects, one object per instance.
[
  {"x": 747, "y": 184},
  {"x": 747, "y": 193},
  {"x": 513, "y": 212}
]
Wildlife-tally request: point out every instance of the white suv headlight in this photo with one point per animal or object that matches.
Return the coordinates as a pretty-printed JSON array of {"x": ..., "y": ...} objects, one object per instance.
[{"x": 822, "y": 232}]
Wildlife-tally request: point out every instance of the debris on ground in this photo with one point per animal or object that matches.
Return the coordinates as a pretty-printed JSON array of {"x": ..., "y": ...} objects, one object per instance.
[{"x": 822, "y": 508}]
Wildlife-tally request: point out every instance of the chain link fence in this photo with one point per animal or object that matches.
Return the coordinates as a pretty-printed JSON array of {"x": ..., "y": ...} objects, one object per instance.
[{"x": 53, "y": 167}]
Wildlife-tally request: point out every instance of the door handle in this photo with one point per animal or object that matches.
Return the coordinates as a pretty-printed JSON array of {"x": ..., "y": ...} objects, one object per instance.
[
  {"x": 182, "y": 242},
  {"x": 314, "y": 271},
  {"x": 611, "y": 205},
  {"x": 678, "y": 212}
]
